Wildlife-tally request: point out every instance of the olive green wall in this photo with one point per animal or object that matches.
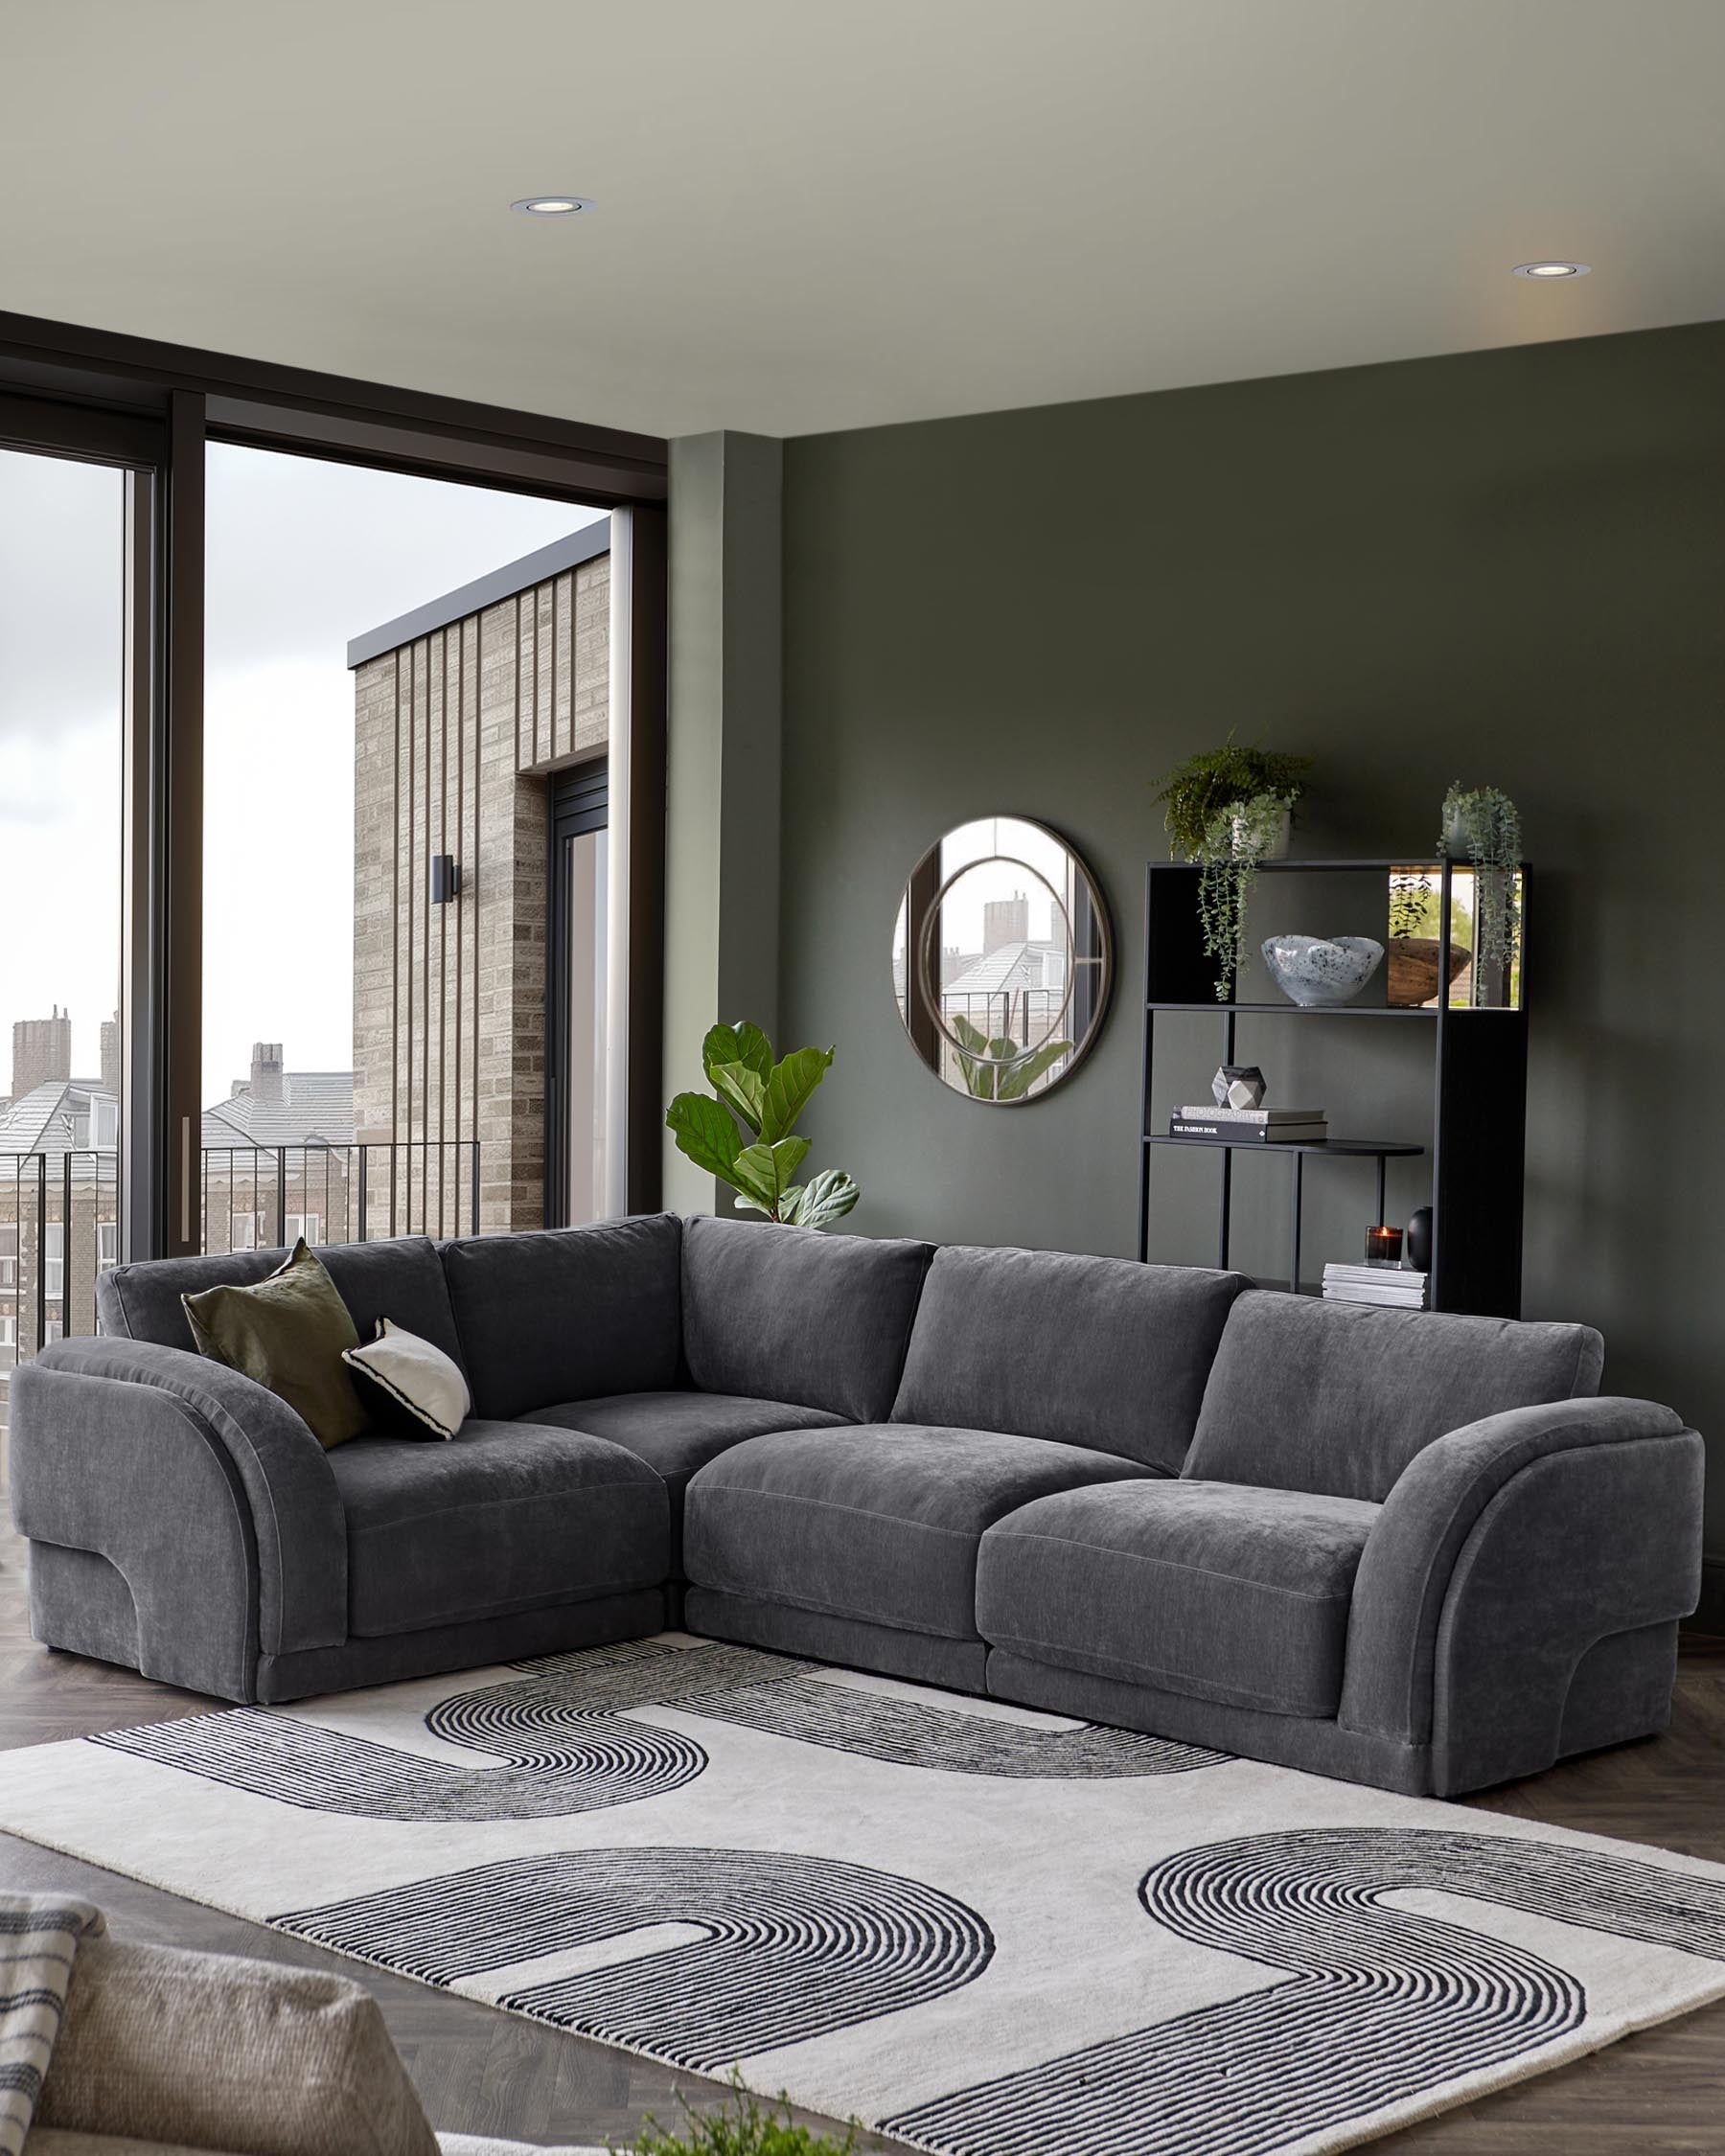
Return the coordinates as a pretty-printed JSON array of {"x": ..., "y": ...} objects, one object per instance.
[{"x": 1508, "y": 567}]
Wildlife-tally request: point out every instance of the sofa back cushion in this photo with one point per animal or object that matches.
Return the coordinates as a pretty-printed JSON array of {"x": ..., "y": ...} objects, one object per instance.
[
  {"x": 567, "y": 1312},
  {"x": 401, "y": 1279},
  {"x": 1084, "y": 1350},
  {"x": 792, "y": 1313},
  {"x": 1337, "y": 1397}
]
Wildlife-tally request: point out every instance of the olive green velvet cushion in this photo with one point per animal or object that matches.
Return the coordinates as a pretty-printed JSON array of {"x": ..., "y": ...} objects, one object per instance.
[{"x": 288, "y": 1332}]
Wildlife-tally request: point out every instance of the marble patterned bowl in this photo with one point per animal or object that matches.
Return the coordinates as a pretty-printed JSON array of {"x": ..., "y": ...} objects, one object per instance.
[{"x": 1317, "y": 971}]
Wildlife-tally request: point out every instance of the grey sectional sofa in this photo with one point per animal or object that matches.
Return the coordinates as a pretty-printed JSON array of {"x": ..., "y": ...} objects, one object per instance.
[{"x": 1410, "y": 1550}]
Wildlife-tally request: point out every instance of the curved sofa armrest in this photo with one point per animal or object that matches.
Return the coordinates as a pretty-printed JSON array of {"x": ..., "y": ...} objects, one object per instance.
[
  {"x": 1411, "y": 1554},
  {"x": 297, "y": 1514}
]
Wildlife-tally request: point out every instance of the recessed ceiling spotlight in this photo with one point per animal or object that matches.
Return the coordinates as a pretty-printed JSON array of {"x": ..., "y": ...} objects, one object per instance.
[
  {"x": 552, "y": 205},
  {"x": 1547, "y": 269}
]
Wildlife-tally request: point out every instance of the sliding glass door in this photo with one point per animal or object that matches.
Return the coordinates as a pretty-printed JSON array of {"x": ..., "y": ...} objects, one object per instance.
[
  {"x": 75, "y": 548},
  {"x": 581, "y": 1121}
]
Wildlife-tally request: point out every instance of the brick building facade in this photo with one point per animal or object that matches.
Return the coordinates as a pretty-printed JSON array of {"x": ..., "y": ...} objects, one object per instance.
[{"x": 463, "y": 711}]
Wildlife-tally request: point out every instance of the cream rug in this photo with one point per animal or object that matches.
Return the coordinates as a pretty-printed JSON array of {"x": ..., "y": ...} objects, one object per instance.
[{"x": 983, "y": 1932}]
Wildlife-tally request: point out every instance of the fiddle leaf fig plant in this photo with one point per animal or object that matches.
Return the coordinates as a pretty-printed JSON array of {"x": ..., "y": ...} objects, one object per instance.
[
  {"x": 765, "y": 1097},
  {"x": 999, "y": 1069}
]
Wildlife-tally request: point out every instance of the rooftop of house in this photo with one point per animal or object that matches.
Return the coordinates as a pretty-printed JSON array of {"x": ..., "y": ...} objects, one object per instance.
[
  {"x": 63, "y": 1116},
  {"x": 1012, "y": 967},
  {"x": 315, "y": 1108},
  {"x": 584, "y": 544}
]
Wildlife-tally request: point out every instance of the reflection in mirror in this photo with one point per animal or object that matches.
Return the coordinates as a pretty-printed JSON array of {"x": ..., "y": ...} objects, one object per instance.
[
  {"x": 1485, "y": 944},
  {"x": 1002, "y": 959}
]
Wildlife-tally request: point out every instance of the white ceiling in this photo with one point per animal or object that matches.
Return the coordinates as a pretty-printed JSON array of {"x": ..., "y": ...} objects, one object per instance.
[{"x": 817, "y": 214}]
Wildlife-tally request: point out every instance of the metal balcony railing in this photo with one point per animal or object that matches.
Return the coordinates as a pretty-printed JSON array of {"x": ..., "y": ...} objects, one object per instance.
[{"x": 59, "y": 1216}]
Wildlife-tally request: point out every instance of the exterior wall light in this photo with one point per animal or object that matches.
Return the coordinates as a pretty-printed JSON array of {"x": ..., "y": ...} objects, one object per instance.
[{"x": 446, "y": 879}]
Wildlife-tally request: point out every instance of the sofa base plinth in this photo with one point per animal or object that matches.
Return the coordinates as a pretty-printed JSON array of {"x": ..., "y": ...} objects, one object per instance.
[
  {"x": 1287, "y": 1740},
  {"x": 79, "y": 1602},
  {"x": 447, "y": 1647},
  {"x": 957, "y": 1665},
  {"x": 1551, "y": 1701},
  {"x": 1622, "y": 1690}
]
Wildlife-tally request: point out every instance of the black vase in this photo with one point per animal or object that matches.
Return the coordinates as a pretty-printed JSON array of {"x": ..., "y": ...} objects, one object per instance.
[{"x": 1419, "y": 1239}]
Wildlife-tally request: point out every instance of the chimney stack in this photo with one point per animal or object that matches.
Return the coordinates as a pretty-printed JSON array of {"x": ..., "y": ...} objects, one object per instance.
[
  {"x": 267, "y": 1072},
  {"x": 1006, "y": 921},
  {"x": 111, "y": 1073},
  {"x": 41, "y": 1052}
]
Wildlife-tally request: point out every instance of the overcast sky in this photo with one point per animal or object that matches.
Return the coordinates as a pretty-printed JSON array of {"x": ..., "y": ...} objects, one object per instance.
[{"x": 302, "y": 556}]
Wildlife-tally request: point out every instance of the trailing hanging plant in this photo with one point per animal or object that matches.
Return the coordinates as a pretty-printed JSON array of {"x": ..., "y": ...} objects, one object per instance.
[
  {"x": 999, "y": 1069},
  {"x": 765, "y": 1097},
  {"x": 1237, "y": 843},
  {"x": 1486, "y": 825},
  {"x": 1225, "y": 809}
]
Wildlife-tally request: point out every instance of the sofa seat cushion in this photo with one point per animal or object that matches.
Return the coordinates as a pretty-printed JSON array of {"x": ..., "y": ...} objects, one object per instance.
[
  {"x": 676, "y": 1432},
  {"x": 1210, "y": 1589},
  {"x": 879, "y": 1522},
  {"x": 506, "y": 1516}
]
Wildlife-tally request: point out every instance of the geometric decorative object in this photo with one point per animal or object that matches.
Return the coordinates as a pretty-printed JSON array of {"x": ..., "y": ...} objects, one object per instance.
[
  {"x": 1238, "y": 1085},
  {"x": 1315, "y": 972},
  {"x": 1002, "y": 960},
  {"x": 906, "y": 1928}
]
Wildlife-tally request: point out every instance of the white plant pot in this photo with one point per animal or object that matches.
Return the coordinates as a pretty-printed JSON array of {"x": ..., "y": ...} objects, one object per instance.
[{"x": 1278, "y": 848}]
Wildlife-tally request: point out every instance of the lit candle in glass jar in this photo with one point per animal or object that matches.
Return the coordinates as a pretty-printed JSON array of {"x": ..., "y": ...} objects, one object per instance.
[{"x": 1383, "y": 1245}]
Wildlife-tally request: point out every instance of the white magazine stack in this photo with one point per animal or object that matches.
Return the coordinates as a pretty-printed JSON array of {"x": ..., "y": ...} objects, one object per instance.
[{"x": 1394, "y": 1286}]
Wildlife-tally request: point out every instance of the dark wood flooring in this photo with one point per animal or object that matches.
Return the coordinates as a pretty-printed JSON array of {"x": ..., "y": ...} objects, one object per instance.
[{"x": 480, "y": 2071}]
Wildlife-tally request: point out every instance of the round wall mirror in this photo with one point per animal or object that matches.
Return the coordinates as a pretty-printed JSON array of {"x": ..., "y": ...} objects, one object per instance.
[{"x": 1002, "y": 960}]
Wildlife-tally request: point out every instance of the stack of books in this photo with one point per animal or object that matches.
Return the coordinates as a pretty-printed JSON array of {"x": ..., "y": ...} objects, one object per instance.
[
  {"x": 1394, "y": 1286},
  {"x": 1251, "y": 1126}
]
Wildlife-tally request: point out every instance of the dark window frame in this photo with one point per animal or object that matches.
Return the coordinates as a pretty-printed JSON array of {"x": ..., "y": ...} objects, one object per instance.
[{"x": 151, "y": 407}]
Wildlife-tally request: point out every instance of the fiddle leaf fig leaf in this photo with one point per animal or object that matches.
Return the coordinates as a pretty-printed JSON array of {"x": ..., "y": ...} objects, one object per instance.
[
  {"x": 822, "y": 1199},
  {"x": 970, "y": 1037},
  {"x": 766, "y": 1170},
  {"x": 1016, "y": 1083},
  {"x": 706, "y": 1132},
  {"x": 742, "y": 1088},
  {"x": 744, "y": 1044},
  {"x": 789, "y": 1088}
]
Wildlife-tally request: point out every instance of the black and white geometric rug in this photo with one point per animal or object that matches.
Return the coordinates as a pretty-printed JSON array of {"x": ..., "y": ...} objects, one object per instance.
[{"x": 982, "y": 1931}]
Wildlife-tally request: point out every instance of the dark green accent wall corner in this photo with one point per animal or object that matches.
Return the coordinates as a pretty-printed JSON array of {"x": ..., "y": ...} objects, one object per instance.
[{"x": 1508, "y": 567}]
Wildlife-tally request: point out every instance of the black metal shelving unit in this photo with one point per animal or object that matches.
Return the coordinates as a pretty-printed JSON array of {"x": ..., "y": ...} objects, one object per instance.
[{"x": 1479, "y": 1056}]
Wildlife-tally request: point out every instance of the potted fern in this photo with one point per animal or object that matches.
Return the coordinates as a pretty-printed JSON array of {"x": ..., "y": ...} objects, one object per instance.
[{"x": 1228, "y": 809}]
